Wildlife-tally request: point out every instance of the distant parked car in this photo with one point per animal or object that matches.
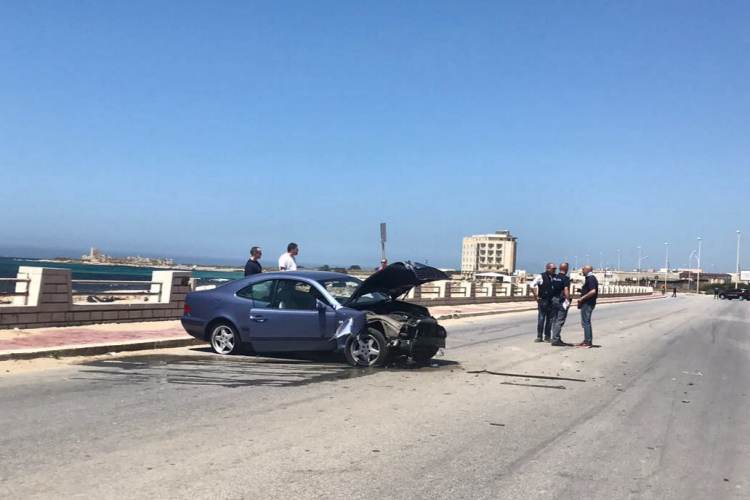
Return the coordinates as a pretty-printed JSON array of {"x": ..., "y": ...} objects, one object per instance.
[
  {"x": 731, "y": 293},
  {"x": 320, "y": 311}
]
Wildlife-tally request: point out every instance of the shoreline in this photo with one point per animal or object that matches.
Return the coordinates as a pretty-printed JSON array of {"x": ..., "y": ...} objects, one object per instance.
[{"x": 177, "y": 267}]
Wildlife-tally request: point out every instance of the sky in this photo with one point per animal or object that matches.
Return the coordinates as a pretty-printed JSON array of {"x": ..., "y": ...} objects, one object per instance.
[{"x": 198, "y": 129}]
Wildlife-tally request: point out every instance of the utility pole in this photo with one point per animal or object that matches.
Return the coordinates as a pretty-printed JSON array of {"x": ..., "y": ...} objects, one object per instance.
[
  {"x": 698, "y": 277},
  {"x": 737, "y": 283}
]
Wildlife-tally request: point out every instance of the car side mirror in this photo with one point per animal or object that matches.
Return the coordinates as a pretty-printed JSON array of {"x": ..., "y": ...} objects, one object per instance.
[{"x": 320, "y": 305}]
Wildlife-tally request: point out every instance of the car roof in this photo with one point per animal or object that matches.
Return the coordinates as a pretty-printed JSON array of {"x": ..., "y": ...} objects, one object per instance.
[{"x": 312, "y": 275}]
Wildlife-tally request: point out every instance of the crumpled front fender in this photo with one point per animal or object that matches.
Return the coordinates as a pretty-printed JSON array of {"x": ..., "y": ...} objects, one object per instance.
[{"x": 350, "y": 325}]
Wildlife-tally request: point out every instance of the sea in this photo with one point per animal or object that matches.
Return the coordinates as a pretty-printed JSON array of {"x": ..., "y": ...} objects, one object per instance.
[{"x": 9, "y": 269}]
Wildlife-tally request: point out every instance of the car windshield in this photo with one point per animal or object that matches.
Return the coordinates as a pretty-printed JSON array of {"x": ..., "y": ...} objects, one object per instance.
[{"x": 342, "y": 289}]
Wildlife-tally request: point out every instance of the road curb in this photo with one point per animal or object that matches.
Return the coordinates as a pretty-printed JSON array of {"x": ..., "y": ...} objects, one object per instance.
[
  {"x": 96, "y": 349},
  {"x": 492, "y": 313}
]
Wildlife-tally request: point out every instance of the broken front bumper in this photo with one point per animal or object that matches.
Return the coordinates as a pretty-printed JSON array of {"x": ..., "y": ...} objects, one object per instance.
[{"x": 419, "y": 334}]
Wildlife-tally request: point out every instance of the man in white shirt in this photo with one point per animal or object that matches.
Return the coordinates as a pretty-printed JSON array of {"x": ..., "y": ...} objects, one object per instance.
[{"x": 287, "y": 262}]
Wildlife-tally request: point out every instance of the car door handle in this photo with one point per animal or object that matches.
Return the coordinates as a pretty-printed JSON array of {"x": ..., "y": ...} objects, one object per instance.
[{"x": 257, "y": 318}]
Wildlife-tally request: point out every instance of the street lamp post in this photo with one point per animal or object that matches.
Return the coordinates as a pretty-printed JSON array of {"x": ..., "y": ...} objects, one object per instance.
[
  {"x": 666, "y": 265},
  {"x": 698, "y": 277},
  {"x": 737, "y": 283},
  {"x": 618, "y": 259}
]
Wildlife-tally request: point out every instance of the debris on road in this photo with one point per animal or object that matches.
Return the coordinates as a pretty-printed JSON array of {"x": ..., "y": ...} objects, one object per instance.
[
  {"x": 523, "y": 375},
  {"x": 496, "y": 424},
  {"x": 535, "y": 385}
]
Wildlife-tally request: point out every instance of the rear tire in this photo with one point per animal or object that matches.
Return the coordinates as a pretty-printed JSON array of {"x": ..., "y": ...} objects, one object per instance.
[
  {"x": 366, "y": 349},
  {"x": 224, "y": 339}
]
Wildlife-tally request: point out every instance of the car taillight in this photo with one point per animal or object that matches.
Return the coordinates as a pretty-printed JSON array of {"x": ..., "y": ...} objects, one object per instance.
[{"x": 186, "y": 310}]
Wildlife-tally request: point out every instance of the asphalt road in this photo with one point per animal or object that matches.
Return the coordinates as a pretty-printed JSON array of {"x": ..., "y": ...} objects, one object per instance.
[{"x": 660, "y": 410}]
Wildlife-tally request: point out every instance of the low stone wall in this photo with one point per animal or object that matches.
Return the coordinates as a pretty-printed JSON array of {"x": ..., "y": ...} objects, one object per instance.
[
  {"x": 46, "y": 300},
  {"x": 476, "y": 292}
]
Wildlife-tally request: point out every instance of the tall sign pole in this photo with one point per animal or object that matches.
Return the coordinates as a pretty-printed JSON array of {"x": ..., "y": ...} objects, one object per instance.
[{"x": 383, "y": 238}]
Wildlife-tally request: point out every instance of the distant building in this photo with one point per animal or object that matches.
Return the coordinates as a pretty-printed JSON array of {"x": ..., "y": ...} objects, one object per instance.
[{"x": 489, "y": 253}]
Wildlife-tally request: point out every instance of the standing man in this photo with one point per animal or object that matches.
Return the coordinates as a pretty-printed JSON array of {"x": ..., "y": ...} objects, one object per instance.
[
  {"x": 287, "y": 261},
  {"x": 541, "y": 287},
  {"x": 586, "y": 304},
  {"x": 252, "y": 266},
  {"x": 674, "y": 292},
  {"x": 716, "y": 294},
  {"x": 560, "y": 303}
]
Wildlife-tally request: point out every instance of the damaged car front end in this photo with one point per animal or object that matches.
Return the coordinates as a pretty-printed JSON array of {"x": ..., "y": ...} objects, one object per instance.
[{"x": 392, "y": 327}]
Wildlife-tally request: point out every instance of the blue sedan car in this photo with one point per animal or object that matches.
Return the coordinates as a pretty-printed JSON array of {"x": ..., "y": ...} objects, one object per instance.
[{"x": 320, "y": 311}]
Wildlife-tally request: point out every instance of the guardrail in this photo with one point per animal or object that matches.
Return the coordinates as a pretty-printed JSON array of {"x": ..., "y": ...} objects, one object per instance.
[
  {"x": 49, "y": 299},
  {"x": 16, "y": 293},
  {"x": 151, "y": 291},
  {"x": 468, "y": 292}
]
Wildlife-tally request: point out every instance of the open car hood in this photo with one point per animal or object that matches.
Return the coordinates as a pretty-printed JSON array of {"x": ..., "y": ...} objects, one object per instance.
[{"x": 398, "y": 278}]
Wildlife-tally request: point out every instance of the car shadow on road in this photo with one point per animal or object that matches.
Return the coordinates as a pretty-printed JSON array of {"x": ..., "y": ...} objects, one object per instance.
[{"x": 291, "y": 370}]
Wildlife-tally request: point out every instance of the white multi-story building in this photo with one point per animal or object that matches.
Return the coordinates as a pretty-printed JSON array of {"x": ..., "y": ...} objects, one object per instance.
[{"x": 489, "y": 253}]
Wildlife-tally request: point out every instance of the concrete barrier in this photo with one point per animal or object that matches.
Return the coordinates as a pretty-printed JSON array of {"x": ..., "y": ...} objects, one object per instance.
[
  {"x": 45, "y": 298},
  {"x": 450, "y": 292}
]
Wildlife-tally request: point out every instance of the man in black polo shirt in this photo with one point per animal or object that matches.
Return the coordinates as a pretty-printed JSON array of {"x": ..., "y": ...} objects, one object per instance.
[
  {"x": 586, "y": 304},
  {"x": 253, "y": 263},
  {"x": 560, "y": 302},
  {"x": 541, "y": 287}
]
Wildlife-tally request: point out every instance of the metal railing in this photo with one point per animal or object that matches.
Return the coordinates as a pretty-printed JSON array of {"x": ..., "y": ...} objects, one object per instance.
[
  {"x": 78, "y": 293},
  {"x": 15, "y": 293},
  {"x": 429, "y": 290}
]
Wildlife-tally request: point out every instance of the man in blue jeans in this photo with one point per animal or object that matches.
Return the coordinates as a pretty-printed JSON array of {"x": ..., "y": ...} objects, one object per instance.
[
  {"x": 560, "y": 303},
  {"x": 541, "y": 287},
  {"x": 586, "y": 304}
]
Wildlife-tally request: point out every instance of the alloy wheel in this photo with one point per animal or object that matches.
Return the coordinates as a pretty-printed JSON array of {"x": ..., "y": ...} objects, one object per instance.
[
  {"x": 365, "y": 349},
  {"x": 222, "y": 339}
]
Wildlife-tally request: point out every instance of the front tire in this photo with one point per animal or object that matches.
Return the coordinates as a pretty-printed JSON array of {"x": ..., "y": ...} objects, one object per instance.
[
  {"x": 424, "y": 355},
  {"x": 722, "y": 296},
  {"x": 224, "y": 339},
  {"x": 366, "y": 349}
]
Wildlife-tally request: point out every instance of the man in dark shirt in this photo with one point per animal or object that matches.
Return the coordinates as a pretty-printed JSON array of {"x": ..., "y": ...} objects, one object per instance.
[
  {"x": 586, "y": 304},
  {"x": 253, "y": 263},
  {"x": 541, "y": 287},
  {"x": 560, "y": 303}
]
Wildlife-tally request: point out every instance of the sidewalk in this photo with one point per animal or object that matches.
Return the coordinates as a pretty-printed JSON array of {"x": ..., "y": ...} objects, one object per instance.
[
  {"x": 114, "y": 337},
  {"x": 91, "y": 339}
]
